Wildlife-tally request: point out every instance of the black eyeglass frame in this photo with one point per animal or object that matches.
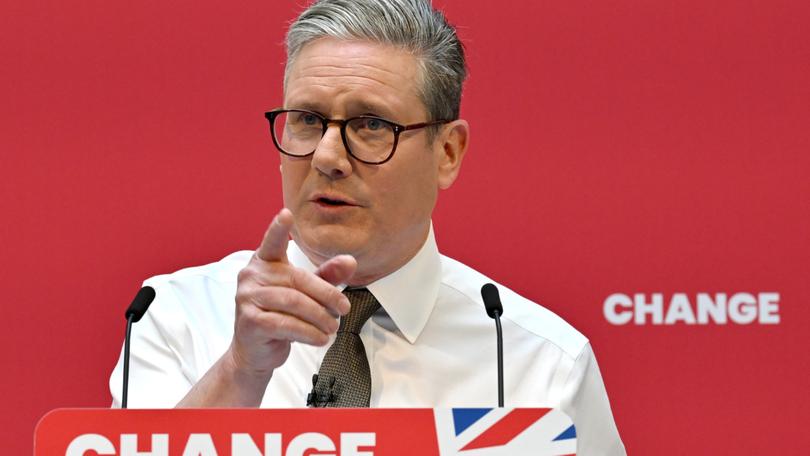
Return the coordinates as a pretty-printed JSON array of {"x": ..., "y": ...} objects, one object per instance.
[{"x": 397, "y": 128}]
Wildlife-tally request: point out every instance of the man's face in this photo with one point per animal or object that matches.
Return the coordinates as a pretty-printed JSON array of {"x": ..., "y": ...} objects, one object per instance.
[{"x": 384, "y": 210}]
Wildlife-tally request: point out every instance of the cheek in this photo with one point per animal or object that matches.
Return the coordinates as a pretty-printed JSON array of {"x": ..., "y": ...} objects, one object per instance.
[
  {"x": 409, "y": 197},
  {"x": 293, "y": 174}
]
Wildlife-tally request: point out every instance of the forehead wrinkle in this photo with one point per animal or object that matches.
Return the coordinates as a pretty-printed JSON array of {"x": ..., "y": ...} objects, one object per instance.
[
  {"x": 348, "y": 64},
  {"x": 353, "y": 80},
  {"x": 349, "y": 56},
  {"x": 321, "y": 90},
  {"x": 354, "y": 71}
]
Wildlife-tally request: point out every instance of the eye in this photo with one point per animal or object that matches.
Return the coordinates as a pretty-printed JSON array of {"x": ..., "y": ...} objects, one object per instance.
[
  {"x": 309, "y": 119},
  {"x": 373, "y": 124}
]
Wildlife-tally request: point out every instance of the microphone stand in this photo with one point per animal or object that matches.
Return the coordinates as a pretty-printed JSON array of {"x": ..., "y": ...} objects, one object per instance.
[
  {"x": 125, "y": 388},
  {"x": 492, "y": 303},
  {"x": 134, "y": 312},
  {"x": 499, "y": 333}
]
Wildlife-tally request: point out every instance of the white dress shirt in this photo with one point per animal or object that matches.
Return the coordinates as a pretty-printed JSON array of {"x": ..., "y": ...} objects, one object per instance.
[{"x": 430, "y": 345}]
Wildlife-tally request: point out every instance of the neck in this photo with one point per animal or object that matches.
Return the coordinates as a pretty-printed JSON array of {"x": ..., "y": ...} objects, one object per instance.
[{"x": 373, "y": 265}]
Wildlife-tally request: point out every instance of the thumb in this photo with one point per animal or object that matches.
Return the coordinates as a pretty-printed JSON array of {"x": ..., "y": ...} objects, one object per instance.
[{"x": 338, "y": 269}]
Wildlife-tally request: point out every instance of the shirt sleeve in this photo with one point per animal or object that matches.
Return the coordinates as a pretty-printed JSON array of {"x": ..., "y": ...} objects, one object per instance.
[
  {"x": 586, "y": 402},
  {"x": 160, "y": 348}
]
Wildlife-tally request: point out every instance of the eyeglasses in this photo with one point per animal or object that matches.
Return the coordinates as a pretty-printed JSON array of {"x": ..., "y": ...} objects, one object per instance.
[{"x": 369, "y": 139}]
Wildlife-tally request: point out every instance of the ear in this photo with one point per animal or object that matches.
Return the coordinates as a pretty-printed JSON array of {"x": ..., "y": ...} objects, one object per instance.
[{"x": 451, "y": 146}]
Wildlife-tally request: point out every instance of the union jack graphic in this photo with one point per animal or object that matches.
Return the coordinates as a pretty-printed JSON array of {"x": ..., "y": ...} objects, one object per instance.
[{"x": 504, "y": 432}]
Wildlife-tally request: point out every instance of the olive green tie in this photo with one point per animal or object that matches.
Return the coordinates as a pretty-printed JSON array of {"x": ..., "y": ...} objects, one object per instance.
[{"x": 344, "y": 379}]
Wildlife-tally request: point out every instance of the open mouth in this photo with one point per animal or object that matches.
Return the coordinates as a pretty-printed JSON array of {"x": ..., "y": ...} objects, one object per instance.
[{"x": 331, "y": 202}]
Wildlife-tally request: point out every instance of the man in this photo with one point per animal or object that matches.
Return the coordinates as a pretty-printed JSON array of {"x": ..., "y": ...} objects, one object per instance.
[{"x": 369, "y": 134}]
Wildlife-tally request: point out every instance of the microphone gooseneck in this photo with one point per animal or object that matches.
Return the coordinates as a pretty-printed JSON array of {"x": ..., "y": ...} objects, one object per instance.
[
  {"x": 492, "y": 302},
  {"x": 134, "y": 313}
]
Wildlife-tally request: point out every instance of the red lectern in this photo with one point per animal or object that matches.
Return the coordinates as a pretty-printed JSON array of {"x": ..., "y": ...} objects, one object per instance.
[{"x": 305, "y": 432}]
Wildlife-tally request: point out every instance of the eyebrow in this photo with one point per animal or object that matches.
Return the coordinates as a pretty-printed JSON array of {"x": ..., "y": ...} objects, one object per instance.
[
  {"x": 306, "y": 106},
  {"x": 366, "y": 106},
  {"x": 354, "y": 108}
]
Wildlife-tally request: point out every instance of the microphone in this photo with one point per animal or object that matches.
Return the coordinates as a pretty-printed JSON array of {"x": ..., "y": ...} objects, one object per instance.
[
  {"x": 141, "y": 302},
  {"x": 322, "y": 393},
  {"x": 492, "y": 302},
  {"x": 134, "y": 312}
]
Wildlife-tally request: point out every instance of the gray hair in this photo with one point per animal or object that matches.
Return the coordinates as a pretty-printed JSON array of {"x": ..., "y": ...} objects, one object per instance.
[{"x": 412, "y": 25}]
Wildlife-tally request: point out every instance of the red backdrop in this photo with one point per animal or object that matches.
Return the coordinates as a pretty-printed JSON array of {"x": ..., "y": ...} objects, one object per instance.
[{"x": 618, "y": 147}]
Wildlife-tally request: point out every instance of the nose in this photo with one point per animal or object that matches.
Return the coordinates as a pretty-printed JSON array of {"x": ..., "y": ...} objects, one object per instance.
[{"x": 331, "y": 157}]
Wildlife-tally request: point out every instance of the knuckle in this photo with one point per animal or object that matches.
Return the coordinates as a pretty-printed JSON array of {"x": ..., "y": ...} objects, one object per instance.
[
  {"x": 249, "y": 273},
  {"x": 247, "y": 319},
  {"x": 241, "y": 300},
  {"x": 280, "y": 324},
  {"x": 243, "y": 296},
  {"x": 295, "y": 277}
]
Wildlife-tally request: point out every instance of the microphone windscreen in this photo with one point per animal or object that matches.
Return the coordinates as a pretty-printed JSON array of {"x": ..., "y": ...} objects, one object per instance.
[
  {"x": 492, "y": 300},
  {"x": 141, "y": 302}
]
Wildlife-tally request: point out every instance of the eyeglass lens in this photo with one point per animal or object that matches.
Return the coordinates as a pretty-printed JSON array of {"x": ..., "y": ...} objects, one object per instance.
[{"x": 369, "y": 139}]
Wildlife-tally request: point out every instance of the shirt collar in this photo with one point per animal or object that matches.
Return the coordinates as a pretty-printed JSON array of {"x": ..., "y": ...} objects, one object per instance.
[{"x": 408, "y": 294}]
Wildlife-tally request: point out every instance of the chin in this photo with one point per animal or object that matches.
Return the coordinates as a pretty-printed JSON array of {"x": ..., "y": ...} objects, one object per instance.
[{"x": 326, "y": 241}]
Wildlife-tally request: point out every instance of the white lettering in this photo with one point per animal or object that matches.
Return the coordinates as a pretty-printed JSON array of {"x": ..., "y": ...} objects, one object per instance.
[
  {"x": 649, "y": 309},
  {"x": 307, "y": 444},
  {"x": 654, "y": 308},
  {"x": 160, "y": 445},
  {"x": 350, "y": 443},
  {"x": 90, "y": 442},
  {"x": 707, "y": 307},
  {"x": 769, "y": 308},
  {"x": 612, "y": 315},
  {"x": 679, "y": 310},
  {"x": 300, "y": 445},
  {"x": 243, "y": 445},
  {"x": 200, "y": 445},
  {"x": 742, "y": 308}
]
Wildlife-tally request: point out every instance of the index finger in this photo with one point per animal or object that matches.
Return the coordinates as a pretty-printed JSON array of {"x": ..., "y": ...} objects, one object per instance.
[{"x": 276, "y": 238}]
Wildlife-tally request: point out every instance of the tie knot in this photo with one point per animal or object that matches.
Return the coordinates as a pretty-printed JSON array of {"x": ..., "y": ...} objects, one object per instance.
[{"x": 364, "y": 304}]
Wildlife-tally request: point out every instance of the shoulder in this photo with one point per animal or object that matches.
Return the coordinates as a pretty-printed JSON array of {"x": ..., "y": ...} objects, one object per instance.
[
  {"x": 193, "y": 290},
  {"x": 523, "y": 313},
  {"x": 224, "y": 271}
]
